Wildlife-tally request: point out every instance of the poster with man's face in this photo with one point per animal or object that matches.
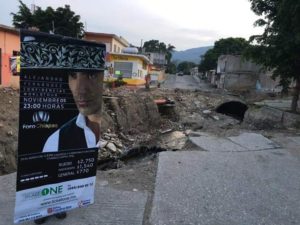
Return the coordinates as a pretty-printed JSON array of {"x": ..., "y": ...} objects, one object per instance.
[{"x": 60, "y": 94}]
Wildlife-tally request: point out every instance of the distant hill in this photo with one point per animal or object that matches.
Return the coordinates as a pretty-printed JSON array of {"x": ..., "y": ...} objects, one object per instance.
[{"x": 191, "y": 55}]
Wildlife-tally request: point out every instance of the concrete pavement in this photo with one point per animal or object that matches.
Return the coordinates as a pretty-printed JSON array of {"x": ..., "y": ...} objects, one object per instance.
[
  {"x": 240, "y": 180},
  {"x": 112, "y": 207},
  {"x": 255, "y": 182}
]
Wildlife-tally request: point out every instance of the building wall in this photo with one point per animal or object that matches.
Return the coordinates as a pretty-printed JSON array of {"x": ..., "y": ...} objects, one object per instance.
[
  {"x": 9, "y": 42},
  {"x": 240, "y": 81},
  {"x": 112, "y": 44},
  {"x": 234, "y": 64},
  {"x": 267, "y": 83},
  {"x": 139, "y": 67}
]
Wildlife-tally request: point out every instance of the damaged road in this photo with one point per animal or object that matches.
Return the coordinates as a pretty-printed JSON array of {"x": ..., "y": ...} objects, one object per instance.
[{"x": 149, "y": 154}]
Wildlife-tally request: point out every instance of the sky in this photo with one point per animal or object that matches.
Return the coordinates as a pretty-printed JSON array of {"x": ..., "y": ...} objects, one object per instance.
[{"x": 183, "y": 23}]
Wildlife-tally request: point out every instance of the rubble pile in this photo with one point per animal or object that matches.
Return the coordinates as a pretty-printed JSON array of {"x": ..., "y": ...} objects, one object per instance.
[
  {"x": 132, "y": 119},
  {"x": 111, "y": 147}
]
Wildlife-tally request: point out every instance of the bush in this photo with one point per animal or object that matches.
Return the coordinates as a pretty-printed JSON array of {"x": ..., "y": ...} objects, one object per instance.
[{"x": 115, "y": 83}]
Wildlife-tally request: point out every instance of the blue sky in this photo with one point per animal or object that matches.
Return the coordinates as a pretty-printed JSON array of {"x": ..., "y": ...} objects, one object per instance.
[{"x": 182, "y": 23}]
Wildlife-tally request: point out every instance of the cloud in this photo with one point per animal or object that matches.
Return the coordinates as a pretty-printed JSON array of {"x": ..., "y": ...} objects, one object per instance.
[{"x": 184, "y": 24}]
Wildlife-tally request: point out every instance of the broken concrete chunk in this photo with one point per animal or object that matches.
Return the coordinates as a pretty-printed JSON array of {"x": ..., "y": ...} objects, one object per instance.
[
  {"x": 206, "y": 111},
  {"x": 111, "y": 147},
  {"x": 102, "y": 143}
]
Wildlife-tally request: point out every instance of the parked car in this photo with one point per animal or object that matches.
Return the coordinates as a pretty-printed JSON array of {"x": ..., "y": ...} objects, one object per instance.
[{"x": 180, "y": 73}]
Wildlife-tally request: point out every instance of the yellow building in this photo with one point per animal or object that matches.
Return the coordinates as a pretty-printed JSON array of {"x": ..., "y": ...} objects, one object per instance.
[{"x": 132, "y": 67}]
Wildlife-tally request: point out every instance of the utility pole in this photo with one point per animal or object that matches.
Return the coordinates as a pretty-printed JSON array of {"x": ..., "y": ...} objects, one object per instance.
[{"x": 53, "y": 27}]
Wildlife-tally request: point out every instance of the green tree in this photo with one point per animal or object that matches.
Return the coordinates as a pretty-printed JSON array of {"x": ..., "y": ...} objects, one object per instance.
[
  {"x": 60, "y": 21},
  {"x": 278, "y": 47},
  {"x": 232, "y": 46},
  {"x": 185, "y": 67},
  {"x": 171, "y": 68},
  {"x": 170, "y": 49}
]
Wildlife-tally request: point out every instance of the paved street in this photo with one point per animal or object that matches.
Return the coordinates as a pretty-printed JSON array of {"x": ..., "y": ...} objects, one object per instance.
[
  {"x": 246, "y": 179},
  {"x": 185, "y": 82}
]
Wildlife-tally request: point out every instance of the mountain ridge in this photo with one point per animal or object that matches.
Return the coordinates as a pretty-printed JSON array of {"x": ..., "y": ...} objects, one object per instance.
[{"x": 191, "y": 55}]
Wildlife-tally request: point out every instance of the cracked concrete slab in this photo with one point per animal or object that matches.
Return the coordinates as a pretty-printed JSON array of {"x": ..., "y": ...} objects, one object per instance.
[
  {"x": 227, "y": 188},
  {"x": 216, "y": 144},
  {"x": 112, "y": 207},
  {"x": 253, "y": 141}
]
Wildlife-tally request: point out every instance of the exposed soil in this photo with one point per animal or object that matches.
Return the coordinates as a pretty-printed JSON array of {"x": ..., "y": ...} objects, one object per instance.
[
  {"x": 132, "y": 117},
  {"x": 9, "y": 107}
]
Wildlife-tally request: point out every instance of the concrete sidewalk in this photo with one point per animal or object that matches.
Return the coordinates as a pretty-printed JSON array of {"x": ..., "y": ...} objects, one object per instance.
[
  {"x": 112, "y": 207},
  {"x": 240, "y": 180},
  {"x": 243, "y": 180}
]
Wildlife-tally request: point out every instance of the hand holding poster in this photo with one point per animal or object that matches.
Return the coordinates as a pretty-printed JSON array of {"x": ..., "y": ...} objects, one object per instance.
[{"x": 61, "y": 83}]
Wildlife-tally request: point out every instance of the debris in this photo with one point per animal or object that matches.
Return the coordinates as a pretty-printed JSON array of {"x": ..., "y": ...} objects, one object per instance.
[
  {"x": 111, "y": 147},
  {"x": 102, "y": 143},
  {"x": 216, "y": 118},
  {"x": 206, "y": 111},
  {"x": 165, "y": 131}
]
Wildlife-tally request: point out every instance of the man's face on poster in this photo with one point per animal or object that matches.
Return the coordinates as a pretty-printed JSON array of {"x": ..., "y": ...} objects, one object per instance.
[{"x": 87, "y": 88}]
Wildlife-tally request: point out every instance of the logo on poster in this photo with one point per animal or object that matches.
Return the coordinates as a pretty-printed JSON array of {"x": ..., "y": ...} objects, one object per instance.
[
  {"x": 40, "y": 116},
  {"x": 52, "y": 190}
]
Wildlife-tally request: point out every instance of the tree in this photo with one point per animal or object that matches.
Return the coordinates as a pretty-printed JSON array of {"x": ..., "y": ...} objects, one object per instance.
[
  {"x": 171, "y": 68},
  {"x": 170, "y": 49},
  {"x": 185, "y": 67},
  {"x": 160, "y": 47},
  {"x": 278, "y": 47},
  {"x": 233, "y": 46},
  {"x": 60, "y": 21}
]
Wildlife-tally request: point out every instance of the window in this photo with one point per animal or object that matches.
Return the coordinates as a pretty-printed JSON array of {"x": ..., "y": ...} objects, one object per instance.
[
  {"x": 15, "y": 53},
  {"x": 115, "y": 48},
  {"x": 125, "y": 68}
]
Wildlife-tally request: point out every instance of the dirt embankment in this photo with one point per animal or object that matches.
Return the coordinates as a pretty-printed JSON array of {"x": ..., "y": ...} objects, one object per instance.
[
  {"x": 130, "y": 115},
  {"x": 131, "y": 119},
  {"x": 9, "y": 106}
]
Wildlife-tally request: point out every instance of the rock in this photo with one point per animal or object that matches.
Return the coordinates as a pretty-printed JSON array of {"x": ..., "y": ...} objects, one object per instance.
[
  {"x": 111, "y": 147},
  {"x": 216, "y": 118},
  {"x": 110, "y": 135},
  {"x": 165, "y": 131},
  {"x": 9, "y": 133},
  {"x": 102, "y": 143},
  {"x": 1, "y": 125},
  {"x": 118, "y": 144},
  {"x": 291, "y": 120},
  {"x": 194, "y": 121},
  {"x": 263, "y": 117},
  {"x": 106, "y": 137},
  {"x": 206, "y": 111},
  {"x": 135, "y": 190}
]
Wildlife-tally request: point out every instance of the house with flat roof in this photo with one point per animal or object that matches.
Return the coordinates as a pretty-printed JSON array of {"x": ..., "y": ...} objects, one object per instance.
[
  {"x": 114, "y": 43},
  {"x": 132, "y": 67}
]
